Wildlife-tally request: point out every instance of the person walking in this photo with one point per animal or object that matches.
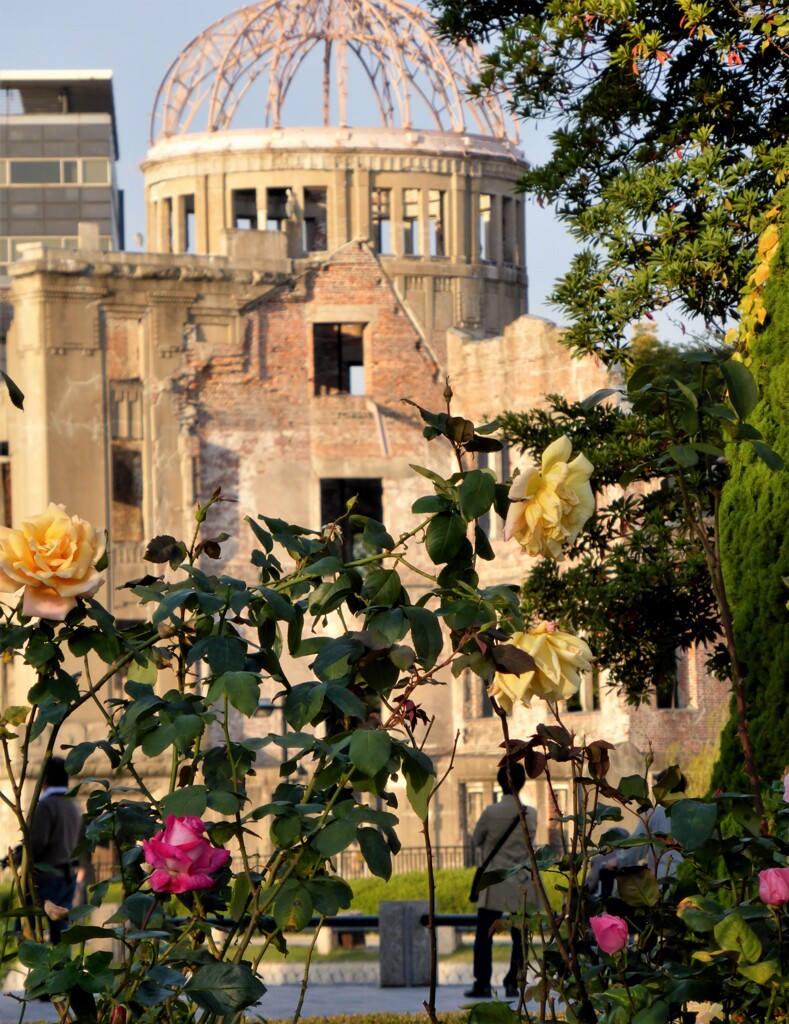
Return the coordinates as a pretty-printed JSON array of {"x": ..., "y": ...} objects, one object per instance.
[
  {"x": 499, "y": 840},
  {"x": 55, "y": 832}
]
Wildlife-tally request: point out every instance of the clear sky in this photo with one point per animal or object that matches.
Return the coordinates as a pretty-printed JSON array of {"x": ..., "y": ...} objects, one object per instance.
[{"x": 137, "y": 40}]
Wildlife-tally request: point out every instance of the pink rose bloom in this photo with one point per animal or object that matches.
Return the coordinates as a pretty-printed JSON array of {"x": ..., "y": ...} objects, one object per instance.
[
  {"x": 182, "y": 857},
  {"x": 786, "y": 788},
  {"x": 610, "y": 932},
  {"x": 774, "y": 886}
]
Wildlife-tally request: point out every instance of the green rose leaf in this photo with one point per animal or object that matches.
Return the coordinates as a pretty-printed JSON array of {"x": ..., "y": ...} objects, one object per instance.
[
  {"x": 225, "y": 988},
  {"x": 693, "y": 823},
  {"x": 342, "y": 698},
  {"x": 492, "y": 1013},
  {"x": 658, "y": 1013},
  {"x": 376, "y": 852},
  {"x": 419, "y": 775},
  {"x": 476, "y": 493},
  {"x": 242, "y": 689},
  {"x": 334, "y": 659},
  {"x": 444, "y": 536},
  {"x": 426, "y": 634},
  {"x": 303, "y": 703},
  {"x": 334, "y": 838},
  {"x": 735, "y": 936},
  {"x": 382, "y": 587},
  {"x": 369, "y": 750},
  {"x": 638, "y": 887},
  {"x": 190, "y": 801},
  {"x": 329, "y": 895},
  {"x": 760, "y": 973}
]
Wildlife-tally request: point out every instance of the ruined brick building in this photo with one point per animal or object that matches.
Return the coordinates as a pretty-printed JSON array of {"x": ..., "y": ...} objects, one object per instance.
[{"x": 301, "y": 281}]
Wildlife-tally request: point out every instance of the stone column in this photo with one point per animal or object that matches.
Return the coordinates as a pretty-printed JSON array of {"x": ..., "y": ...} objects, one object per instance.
[
  {"x": 202, "y": 247},
  {"x": 457, "y": 237},
  {"x": 405, "y": 946}
]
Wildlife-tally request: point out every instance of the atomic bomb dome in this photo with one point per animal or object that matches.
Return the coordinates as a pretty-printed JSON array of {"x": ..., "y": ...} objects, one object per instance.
[
  {"x": 309, "y": 124},
  {"x": 382, "y": 49}
]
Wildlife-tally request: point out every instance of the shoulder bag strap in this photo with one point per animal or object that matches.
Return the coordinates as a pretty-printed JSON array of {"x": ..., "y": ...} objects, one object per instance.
[{"x": 500, "y": 842}]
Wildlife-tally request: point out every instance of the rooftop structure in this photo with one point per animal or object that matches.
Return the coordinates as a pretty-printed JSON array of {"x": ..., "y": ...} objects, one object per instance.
[
  {"x": 58, "y": 148},
  {"x": 387, "y": 48}
]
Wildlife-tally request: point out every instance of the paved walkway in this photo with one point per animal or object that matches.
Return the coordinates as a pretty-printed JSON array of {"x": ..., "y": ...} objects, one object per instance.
[{"x": 280, "y": 1002}]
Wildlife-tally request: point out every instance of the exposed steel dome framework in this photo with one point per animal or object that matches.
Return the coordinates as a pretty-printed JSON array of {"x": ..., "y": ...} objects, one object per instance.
[{"x": 411, "y": 75}]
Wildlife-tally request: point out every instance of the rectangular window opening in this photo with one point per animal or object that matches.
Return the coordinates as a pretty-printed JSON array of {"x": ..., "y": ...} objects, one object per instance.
[
  {"x": 411, "y": 246},
  {"x": 127, "y": 495},
  {"x": 507, "y": 239},
  {"x": 336, "y": 492},
  {"x": 382, "y": 220},
  {"x": 485, "y": 228},
  {"x": 276, "y": 208},
  {"x": 189, "y": 223},
  {"x": 315, "y": 236},
  {"x": 245, "y": 209},
  {"x": 96, "y": 172},
  {"x": 338, "y": 352},
  {"x": 34, "y": 172},
  {"x": 437, "y": 214}
]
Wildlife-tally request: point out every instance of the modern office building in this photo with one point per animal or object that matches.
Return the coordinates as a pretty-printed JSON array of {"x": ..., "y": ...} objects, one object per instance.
[{"x": 58, "y": 147}]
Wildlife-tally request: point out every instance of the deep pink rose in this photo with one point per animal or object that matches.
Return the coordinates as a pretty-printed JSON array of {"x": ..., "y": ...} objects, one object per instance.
[
  {"x": 786, "y": 787},
  {"x": 774, "y": 886},
  {"x": 610, "y": 932},
  {"x": 182, "y": 857}
]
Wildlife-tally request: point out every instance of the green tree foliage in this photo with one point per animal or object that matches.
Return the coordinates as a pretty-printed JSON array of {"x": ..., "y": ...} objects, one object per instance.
[
  {"x": 669, "y": 143},
  {"x": 755, "y": 545},
  {"x": 637, "y": 584}
]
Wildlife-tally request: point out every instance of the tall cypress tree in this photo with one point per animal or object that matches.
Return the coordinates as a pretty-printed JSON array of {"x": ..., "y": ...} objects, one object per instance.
[{"x": 755, "y": 548}]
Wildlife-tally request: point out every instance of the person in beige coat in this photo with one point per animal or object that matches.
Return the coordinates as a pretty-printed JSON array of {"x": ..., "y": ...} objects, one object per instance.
[{"x": 508, "y": 896}]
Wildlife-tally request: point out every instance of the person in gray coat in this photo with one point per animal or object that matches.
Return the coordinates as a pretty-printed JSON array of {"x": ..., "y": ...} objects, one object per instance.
[{"x": 506, "y": 896}]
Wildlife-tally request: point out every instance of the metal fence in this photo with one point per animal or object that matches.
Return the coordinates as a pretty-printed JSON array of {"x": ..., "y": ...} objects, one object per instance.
[{"x": 350, "y": 864}]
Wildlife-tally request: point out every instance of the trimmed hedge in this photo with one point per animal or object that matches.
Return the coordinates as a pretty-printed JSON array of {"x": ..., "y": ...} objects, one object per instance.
[{"x": 452, "y": 889}]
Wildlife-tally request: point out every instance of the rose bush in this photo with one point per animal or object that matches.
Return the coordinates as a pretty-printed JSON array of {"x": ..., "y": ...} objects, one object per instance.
[
  {"x": 53, "y": 556},
  {"x": 551, "y": 504},
  {"x": 181, "y": 856},
  {"x": 559, "y": 658},
  {"x": 352, "y": 730}
]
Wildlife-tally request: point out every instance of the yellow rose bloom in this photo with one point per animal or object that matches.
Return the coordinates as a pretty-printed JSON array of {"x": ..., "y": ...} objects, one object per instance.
[
  {"x": 560, "y": 658},
  {"x": 53, "y": 557},
  {"x": 550, "y": 505}
]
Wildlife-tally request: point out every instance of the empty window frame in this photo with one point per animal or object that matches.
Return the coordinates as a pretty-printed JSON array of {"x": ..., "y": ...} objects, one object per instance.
[
  {"x": 188, "y": 215},
  {"x": 276, "y": 208},
  {"x": 436, "y": 205},
  {"x": 315, "y": 233},
  {"x": 486, "y": 228},
  {"x": 245, "y": 209},
  {"x": 507, "y": 234},
  {"x": 381, "y": 214},
  {"x": 338, "y": 353},
  {"x": 411, "y": 199},
  {"x": 336, "y": 492},
  {"x": 127, "y": 492}
]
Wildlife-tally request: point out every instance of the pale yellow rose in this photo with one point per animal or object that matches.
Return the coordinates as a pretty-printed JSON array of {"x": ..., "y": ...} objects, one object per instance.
[
  {"x": 53, "y": 557},
  {"x": 550, "y": 505},
  {"x": 560, "y": 659}
]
